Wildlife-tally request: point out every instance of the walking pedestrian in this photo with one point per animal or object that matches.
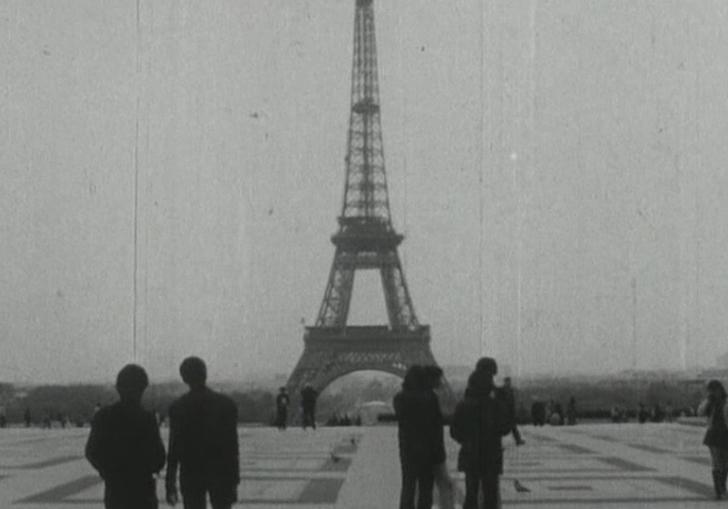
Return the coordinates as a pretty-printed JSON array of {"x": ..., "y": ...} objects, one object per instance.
[
  {"x": 124, "y": 445},
  {"x": 203, "y": 442},
  {"x": 282, "y": 402},
  {"x": 479, "y": 422},
  {"x": 716, "y": 436}
]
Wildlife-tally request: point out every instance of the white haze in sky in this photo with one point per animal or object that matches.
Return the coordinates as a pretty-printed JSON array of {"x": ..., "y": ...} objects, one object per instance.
[{"x": 558, "y": 168}]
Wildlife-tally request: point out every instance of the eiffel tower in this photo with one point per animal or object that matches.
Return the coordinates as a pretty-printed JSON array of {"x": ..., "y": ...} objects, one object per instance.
[{"x": 365, "y": 240}]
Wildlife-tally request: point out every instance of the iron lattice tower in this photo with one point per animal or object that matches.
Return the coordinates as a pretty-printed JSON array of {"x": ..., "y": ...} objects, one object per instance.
[{"x": 365, "y": 240}]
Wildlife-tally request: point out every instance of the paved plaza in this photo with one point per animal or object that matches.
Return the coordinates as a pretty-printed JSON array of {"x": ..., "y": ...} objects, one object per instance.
[{"x": 626, "y": 466}]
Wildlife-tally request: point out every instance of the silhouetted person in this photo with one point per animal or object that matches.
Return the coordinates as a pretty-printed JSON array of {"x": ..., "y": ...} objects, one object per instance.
[
  {"x": 716, "y": 436},
  {"x": 642, "y": 414},
  {"x": 669, "y": 411},
  {"x": 308, "y": 405},
  {"x": 538, "y": 413},
  {"x": 557, "y": 415},
  {"x": 282, "y": 402},
  {"x": 571, "y": 412},
  {"x": 479, "y": 422},
  {"x": 124, "y": 445},
  {"x": 27, "y": 417},
  {"x": 509, "y": 397},
  {"x": 419, "y": 425},
  {"x": 442, "y": 479},
  {"x": 203, "y": 441}
]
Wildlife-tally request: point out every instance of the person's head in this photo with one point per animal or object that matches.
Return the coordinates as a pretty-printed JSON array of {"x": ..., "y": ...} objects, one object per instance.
[
  {"x": 414, "y": 379},
  {"x": 131, "y": 382},
  {"x": 716, "y": 389},
  {"x": 193, "y": 372},
  {"x": 487, "y": 365},
  {"x": 480, "y": 382},
  {"x": 432, "y": 376}
]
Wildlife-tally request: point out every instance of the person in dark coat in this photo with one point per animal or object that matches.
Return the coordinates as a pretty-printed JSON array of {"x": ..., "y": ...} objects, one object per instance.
[
  {"x": 716, "y": 436},
  {"x": 509, "y": 397},
  {"x": 124, "y": 445},
  {"x": 480, "y": 420},
  {"x": 421, "y": 448},
  {"x": 571, "y": 412},
  {"x": 538, "y": 413},
  {"x": 308, "y": 405},
  {"x": 203, "y": 442},
  {"x": 282, "y": 402}
]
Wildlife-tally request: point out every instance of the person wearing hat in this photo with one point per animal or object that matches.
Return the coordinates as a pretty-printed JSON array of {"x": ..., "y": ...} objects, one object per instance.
[
  {"x": 124, "y": 445},
  {"x": 480, "y": 420},
  {"x": 203, "y": 442}
]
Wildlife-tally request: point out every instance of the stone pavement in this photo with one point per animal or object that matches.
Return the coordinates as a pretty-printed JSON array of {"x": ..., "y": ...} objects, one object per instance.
[{"x": 626, "y": 466}]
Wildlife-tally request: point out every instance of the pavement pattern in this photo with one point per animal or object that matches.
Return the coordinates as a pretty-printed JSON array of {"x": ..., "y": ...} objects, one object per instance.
[{"x": 593, "y": 465}]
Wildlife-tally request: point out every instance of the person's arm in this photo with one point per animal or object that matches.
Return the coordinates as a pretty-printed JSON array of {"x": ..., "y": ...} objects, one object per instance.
[
  {"x": 456, "y": 425},
  {"x": 234, "y": 447},
  {"x": 172, "y": 460},
  {"x": 438, "y": 431},
  {"x": 157, "y": 446},
  {"x": 94, "y": 446},
  {"x": 230, "y": 436}
]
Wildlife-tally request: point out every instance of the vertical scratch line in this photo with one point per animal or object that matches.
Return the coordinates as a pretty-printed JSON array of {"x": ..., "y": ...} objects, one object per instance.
[
  {"x": 480, "y": 179},
  {"x": 136, "y": 187}
]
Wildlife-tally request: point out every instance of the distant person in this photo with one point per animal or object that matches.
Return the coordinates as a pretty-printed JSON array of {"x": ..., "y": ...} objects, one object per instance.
[
  {"x": 642, "y": 413},
  {"x": 658, "y": 415},
  {"x": 308, "y": 405},
  {"x": 479, "y": 422},
  {"x": 615, "y": 414},
  {"x": 27, "y": 417},
  {"x": 557, "y": 415},
  {"x": 419, "y": 430},
  {"x": 203, "y": 442},
  {"x": 669, "y": 411},
  {"x": 571, "y": 412},
  {"x": 509, "y": 397},
  {"x": 538, "y": 413},
  {"x": 443, "y": 481},
  {"x": 716, "y": 436},
  {"x": 282, "y": 402},
  {"x": 124, "y": 445}
]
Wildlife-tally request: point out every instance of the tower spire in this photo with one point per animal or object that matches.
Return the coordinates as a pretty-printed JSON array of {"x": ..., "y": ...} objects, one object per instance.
[{"x": 365, "y": 192}]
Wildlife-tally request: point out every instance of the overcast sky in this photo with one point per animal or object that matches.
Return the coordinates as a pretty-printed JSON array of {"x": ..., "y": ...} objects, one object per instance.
[{"x": 557, "y": 167}]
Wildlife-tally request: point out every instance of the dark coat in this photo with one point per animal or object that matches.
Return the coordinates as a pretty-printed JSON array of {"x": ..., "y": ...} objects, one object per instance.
[
  {"x": 479, "y": 422},
  {"x": 717, "y": 433},
  {"x": 419, "y": 423},
  {"x": 124, "y": 446},
  {"x": 203, "y": 440}
]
